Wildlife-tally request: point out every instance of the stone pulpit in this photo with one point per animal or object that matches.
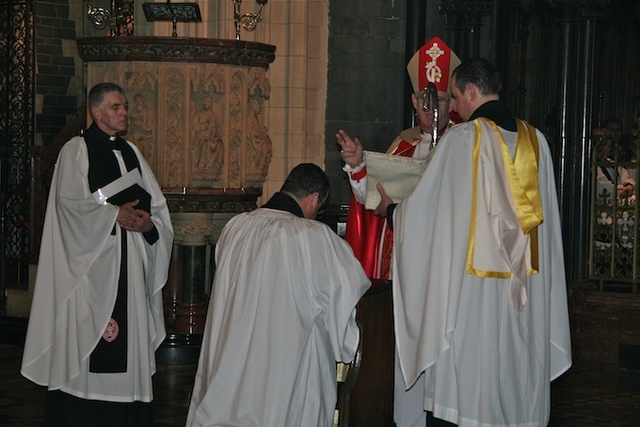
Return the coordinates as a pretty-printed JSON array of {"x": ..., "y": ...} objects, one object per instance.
[{"x": 196, "y": 112}]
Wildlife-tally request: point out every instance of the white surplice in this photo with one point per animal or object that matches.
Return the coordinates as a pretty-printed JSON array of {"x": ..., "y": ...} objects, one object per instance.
[
  {"x": 77, "y": 283},
  {"x": 282, "y": 312},
  {"x": 479, "y": 360}
]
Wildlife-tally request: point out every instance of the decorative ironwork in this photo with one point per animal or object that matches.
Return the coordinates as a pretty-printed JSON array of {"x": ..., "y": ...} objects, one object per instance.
[
  {"x": 614, "y": 253},
  {"x": 181, "y": 12},
  {"x": 248, "y": 21},
  {"x": 16, "y": 133}
]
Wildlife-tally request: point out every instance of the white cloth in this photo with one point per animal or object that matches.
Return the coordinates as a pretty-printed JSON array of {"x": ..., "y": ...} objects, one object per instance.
[
  {"x": 483, "y": 363},
  {"x": 399, "y": 174},
  {"x": 281, "y": 313},
  {"x": 423, "y": 148},
  {"x": 408, "y": 404},
  {"x": 77, "y": 281}
]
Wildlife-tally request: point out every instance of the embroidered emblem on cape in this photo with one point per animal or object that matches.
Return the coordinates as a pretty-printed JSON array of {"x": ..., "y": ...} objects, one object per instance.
[{"x": 112, "y": 331}]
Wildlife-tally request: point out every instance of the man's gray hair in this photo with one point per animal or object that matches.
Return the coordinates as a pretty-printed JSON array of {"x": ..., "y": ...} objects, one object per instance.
[{"x": 96, "y": 94}]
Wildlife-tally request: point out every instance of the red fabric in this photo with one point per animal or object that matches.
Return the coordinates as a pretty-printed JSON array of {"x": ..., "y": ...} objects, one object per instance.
[
  {"x": 363, "y": 234},
  {"x": 357, "y": 176},
  {"x": 364, "y": 229},
  {"x": 434, "y": 64},
  {"x": 387, "y": 249},
  {"x": 404, "y": 149}
]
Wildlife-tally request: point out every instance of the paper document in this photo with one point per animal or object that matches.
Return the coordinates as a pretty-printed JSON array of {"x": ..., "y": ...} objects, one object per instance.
[{"x": 398, "y": 175}]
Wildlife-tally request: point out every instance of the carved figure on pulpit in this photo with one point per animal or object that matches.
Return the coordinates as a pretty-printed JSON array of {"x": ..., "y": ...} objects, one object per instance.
[
  {"x": 143, "y": 126},
  {"x": 206, "y": 137},
  {"x": 258, "y": 138}
]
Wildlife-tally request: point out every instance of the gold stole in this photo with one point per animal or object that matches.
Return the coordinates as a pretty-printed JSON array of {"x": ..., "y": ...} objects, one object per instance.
[{"x": 522, "y": 174}]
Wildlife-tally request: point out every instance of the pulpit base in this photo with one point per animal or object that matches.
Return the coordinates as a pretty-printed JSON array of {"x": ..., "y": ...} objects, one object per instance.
[{"x": 179, "y": 349}]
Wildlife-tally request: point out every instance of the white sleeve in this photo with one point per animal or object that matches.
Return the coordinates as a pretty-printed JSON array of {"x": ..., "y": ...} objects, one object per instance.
[{"x": 359, "y": 186}]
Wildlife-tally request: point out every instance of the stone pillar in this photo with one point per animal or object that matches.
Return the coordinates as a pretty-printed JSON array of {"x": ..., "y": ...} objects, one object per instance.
[
  {"x": 191, "y": 310},
  {"x": 186, "y": 294}
]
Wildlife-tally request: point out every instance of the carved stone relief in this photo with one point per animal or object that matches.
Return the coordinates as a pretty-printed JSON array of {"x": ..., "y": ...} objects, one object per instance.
[
  {"x": 198, "y": 125},
  {"x": 196, "y": 111},
  {"x": 175, "y": 84}
]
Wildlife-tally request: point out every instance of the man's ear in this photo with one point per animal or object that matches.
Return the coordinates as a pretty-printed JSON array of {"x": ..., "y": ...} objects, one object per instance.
[
  {"x": 308, "y": 205},
  {"x": 95, "y": 112},
  {"x": 472, "y": 90}
]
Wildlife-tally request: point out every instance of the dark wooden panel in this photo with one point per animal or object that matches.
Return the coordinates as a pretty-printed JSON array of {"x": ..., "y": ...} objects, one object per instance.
[{"x": 372, "y": 395}]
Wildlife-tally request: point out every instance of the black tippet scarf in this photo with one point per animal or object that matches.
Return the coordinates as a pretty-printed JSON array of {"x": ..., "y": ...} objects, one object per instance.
[
  {"x": 111, "y": 357},
  {"x": 284, "y": 202},
  {"x": 104, "y": 167},
  {"x": 497, "y": 112}
]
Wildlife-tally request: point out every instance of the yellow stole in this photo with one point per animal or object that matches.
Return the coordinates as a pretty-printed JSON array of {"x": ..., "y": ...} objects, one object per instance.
[{"x": 522, "y": 175}]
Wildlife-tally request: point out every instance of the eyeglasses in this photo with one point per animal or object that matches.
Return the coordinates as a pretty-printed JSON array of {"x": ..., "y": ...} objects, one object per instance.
[{"x": 441, "y": 99}]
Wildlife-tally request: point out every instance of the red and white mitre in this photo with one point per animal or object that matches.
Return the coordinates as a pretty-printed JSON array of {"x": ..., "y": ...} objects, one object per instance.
[{"x": 433, "y": 62}]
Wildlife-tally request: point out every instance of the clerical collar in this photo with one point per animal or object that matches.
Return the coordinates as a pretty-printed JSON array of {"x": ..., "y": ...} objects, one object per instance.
[
  {"x": 497, "y": 112},
  {"x": 96, "y": 135},
  {"x": 284, "y": 202}
]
